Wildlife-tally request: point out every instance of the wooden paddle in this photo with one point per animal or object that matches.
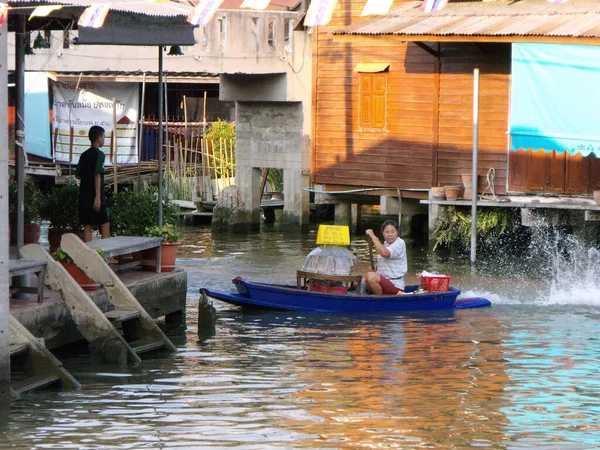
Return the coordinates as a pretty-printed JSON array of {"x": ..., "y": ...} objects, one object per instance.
[{"x": 370, "y": 242}]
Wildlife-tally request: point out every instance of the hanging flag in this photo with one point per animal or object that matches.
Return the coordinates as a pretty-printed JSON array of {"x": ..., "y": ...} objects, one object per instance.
[
  {"x": 255, "y": 4},
  {"x": 433, "y": 5},
  {"x": 3, "y": 13},
  {"x": 319, "y": 12},
  {"x": 93, "y": 16},
  {"x": 374, "y": 7},
  {"x": 203, "y": 12},
  {"x": 43, "y": 11}
]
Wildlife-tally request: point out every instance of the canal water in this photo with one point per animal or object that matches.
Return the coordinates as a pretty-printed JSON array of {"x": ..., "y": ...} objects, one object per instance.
[{"x": 524, "y": 373}]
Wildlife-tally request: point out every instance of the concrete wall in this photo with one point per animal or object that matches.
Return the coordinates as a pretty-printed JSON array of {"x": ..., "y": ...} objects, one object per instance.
[
  {"x": 232, "y": 42},
  {"x": 4, "y": 291},
  {"x": 272, "y": 135}
]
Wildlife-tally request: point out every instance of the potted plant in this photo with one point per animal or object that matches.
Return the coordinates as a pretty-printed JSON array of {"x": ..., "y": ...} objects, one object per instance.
[
  {"x": 171, "y": 240},
  {"x": 86, "y": 283},
  {"x": 31, "y": 214},
  {"x": 60, "y": 208},
  {"x": 132, "y": 211}
]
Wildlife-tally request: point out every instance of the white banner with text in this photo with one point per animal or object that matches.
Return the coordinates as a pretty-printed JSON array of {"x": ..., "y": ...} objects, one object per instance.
[{"x": 79, "y": 106}]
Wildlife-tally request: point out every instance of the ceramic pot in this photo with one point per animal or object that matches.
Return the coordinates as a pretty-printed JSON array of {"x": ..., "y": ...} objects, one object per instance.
[
  {"x": 453, "y": 192},
  {"x": 86, "y": 283},
  {"x": 467, "y": 180},
  {"x": 438, "y": 193},
  {"x": 168, "y": 255},
  {"x": 55, "y": 235},
  {"x": 31, "y": 233}
]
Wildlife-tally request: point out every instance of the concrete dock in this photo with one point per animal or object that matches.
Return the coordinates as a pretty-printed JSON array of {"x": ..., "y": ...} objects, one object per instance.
[{"x": 160, "y": 294}]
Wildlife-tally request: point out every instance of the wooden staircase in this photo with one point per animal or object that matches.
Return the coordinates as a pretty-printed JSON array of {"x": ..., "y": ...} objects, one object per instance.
[
  {"x": 120, "y": 334},
  {"x": 34, "y": 366}
]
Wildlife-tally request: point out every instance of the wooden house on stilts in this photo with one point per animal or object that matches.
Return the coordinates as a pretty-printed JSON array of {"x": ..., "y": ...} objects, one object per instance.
[{"x": 393, "y": 103}]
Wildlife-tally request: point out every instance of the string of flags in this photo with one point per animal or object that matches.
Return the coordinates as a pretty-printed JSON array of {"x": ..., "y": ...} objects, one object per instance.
[
  {"x": 3, "y": 13},
  {"x": 376, "y": 7}
]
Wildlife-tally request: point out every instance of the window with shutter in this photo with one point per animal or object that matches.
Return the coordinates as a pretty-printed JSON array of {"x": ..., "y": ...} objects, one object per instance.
[{"x": 373, "y": 99}]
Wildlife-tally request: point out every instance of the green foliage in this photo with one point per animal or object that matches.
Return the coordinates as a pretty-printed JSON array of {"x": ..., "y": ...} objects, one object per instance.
[
  {"x": 168, "y": 232},
  {"x": 221, "y": 138},
  {"x": 275, "y": 180},
  {"x": 132, "y": 211},
  {"x": 60, "y": 207},
  {"x": 221, "y": 129},
  {"x": 181, "y": 188},
  {"x": 456, "y": 228},
  {"x": 12, "y": 201},
  {"x": 32, "y": 202},
  {"x": 60, "y": 255}
]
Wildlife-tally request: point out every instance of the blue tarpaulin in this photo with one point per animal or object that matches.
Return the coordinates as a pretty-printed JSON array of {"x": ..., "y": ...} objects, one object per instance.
[
  {"x": 555, "y": 98},
  {"x": 37, "y": 115}
]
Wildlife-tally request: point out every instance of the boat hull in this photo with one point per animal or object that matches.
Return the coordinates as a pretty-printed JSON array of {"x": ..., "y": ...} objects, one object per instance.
[{"x": 289, "y": 298}]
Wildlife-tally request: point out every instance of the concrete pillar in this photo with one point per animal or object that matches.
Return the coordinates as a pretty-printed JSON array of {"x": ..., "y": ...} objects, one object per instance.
[
  {"x": 4, "y": 255},
  {"x": 355, "y": 217},
  {"x": 434, "y": 214},
  {"x": 296, "y": 207},
  {"x": 343, "y": 214},
  {"x": 248, "y": 179}
]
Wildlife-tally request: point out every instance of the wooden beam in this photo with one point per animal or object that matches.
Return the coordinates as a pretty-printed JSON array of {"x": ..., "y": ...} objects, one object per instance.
[
  {"x": 428, "y": 49},
  {"x": 365, "y": 39}
]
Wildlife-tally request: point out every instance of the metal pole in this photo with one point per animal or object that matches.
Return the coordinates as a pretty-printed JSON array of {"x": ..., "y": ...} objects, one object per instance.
[
  {"x": 160, "y": 134},
  {"x": 474, "y": 169},
  {"x": 20, "y": 129},
  {"x": 140, "y": 133}
]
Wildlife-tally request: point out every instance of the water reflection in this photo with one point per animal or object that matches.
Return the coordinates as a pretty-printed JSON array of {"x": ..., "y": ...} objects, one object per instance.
[{"x": 521, "y": 374}]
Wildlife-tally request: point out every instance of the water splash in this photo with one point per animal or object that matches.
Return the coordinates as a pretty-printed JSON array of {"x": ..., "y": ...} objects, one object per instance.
[{"x": 572, "y": 267}]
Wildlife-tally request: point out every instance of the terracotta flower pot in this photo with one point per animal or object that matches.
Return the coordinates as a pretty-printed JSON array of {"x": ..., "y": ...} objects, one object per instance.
[
  {"x": 168, "y": 255},
  {"x": 453, "y": 192},
  {"x": 55, "y": 235},
  {"x": 31, "y": 233},
  {"x": 438, "y": 193},
  {"x": 86, "y": 283}
]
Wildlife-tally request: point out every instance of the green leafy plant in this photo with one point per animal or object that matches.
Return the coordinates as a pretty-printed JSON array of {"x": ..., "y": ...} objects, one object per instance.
[
  {"x": 456, "y": 228},
  {"x": 275, "y": 180},
  {"x": 132, "y": 211},
  {"x": 60, "y": 255},
  {"x": 32, "y": 202},
  {"x": 221, "y": 138},
  {"x": 60, "y": 207},
  {"x": 168, "y": 233}
]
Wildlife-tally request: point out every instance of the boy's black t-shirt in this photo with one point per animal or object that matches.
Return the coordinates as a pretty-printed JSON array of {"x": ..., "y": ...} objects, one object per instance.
[{"x": 91, "y": 162}]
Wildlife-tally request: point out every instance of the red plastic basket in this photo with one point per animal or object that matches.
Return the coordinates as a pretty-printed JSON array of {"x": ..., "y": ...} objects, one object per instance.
[{"x": 436, "y": 283}]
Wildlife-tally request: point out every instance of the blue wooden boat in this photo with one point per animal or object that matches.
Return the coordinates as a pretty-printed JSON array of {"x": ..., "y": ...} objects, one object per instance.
[{"x": 290, "y": 298}]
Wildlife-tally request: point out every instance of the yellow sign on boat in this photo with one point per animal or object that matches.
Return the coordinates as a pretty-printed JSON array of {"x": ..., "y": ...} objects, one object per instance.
[{"x": 333, "y": 235}]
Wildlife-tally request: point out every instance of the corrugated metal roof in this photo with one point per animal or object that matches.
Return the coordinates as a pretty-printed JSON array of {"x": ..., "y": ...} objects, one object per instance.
[
  {"x": 136, "y": 7},
  {"x": 136, "y": 76},
  {"x": 488, "y": 19}
]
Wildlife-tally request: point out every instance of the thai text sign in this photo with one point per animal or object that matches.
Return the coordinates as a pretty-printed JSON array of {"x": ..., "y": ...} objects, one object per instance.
[{"x": 78, "y": 106}]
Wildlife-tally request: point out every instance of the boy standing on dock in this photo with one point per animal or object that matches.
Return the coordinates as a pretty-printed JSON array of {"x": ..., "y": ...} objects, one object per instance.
[{"x": 92, "y": 201}]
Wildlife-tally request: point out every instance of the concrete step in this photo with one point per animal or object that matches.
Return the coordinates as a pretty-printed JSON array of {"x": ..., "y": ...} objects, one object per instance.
[
  {"x": 121, "y": 315},
  {"x": 145, "y": 345},
  {"x": 35, "y": 382},
  {"x": 16, "y": 349}
]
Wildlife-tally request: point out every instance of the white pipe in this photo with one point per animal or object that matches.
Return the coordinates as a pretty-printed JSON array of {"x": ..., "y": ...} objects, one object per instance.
[{"x": 474, "y": 169}]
